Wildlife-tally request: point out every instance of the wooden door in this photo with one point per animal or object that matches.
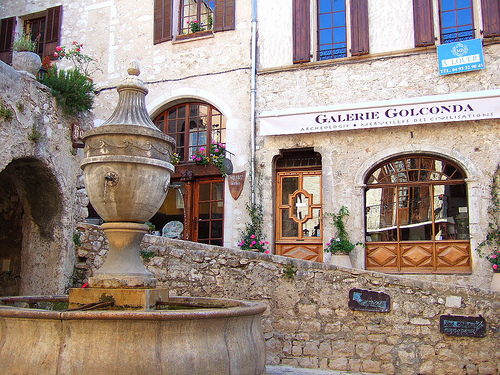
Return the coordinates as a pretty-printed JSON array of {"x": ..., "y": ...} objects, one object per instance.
[
  {"x": 299, "y": 232},
  {"x": 208, "y": 211}
]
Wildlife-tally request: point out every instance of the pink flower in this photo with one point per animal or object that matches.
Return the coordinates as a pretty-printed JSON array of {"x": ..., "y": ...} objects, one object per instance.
[
  {"x": 495, "y": 266},
  {"x": 194, "y": 157},
  {"x": 78, "y": 50},
  {"x": 216, "y": 150},
  {"x": 58, "y": 48},
  {"x": 494, "y": 256},
  {"x": 253, "y": 242},
  {"x": 241, "y": 243},
  {"x": 267, "y": 251},
  {"x": 198, "y": 159},
  {"x": 252, "y": 236},
  {"x": 56, "y": 54},
  {"x": 267, "y": 242},
  {"x": 202, "y": 149},
  {"x": 74, "y": 42}
]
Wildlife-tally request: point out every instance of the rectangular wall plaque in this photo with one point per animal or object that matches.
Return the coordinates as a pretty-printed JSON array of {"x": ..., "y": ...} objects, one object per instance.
[
  {"x": 454, "y": 325},
  {"x": 367, "y": 300}
]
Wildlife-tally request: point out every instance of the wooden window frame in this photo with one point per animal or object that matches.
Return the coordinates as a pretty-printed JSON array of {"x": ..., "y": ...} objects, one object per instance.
[
  {"x": 161, "y": 121},
  {"x": 443, "y": 255},
  {"x": 164, "y": 13},
  {"x": 441, "y": 33},
  {"x": 7, "y": 27}
]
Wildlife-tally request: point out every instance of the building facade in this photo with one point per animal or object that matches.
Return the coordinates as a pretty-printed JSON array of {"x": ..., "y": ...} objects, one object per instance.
[{"x": 320, "y": 104}]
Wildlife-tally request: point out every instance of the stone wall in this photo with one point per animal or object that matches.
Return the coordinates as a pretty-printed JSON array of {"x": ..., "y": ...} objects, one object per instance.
[
  {"x": 308, "y": 322},
  {"x": 42, "y": 195}
]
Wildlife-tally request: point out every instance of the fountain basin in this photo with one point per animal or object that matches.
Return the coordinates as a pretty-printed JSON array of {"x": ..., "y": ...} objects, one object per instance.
[{"x": 223, "y": 337}]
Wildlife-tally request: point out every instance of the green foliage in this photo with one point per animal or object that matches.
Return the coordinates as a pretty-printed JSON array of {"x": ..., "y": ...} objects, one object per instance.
[
  {"x": 251, "y": 236},
  {"x": 492, "y": 240},
  {"x": 73, "y": 91},
  {"x": 340, "y": 244},
  {"x": 35, "y": 135},
  {"x": 24, "y": 42},
  {"x": 289, "y": 271},
  {"x": 146, "y": 255},
  {"x": 76, "y": 239},
  {"x": 5, "y": 112}
]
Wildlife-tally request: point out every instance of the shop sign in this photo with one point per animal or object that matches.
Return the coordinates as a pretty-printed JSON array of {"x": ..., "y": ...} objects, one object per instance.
[
  {"x": 470, "y": 326},
  {"x": 460, "y": 57},
  {"x": 76, "y": 136},
  {"x": 367, "y": 300},
  {"x": 236, "y": 182},
  {"x": 426, "y": 110}
]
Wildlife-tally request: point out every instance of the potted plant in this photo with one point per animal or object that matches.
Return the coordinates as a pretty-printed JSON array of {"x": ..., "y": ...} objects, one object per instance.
[
  {"x": 339, "y": 247},
  {"x": 25, "y": 59}
]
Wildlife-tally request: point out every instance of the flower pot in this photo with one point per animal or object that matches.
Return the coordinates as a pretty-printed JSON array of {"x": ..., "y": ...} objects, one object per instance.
[
  {"x": 341, "y": 260},
  {"x": 26, "y": 61},
  {"x": 495, "y": 282}
]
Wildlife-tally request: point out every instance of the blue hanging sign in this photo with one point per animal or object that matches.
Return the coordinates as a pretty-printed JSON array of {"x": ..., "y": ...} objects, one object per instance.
[{"x": 460, "y": 57}]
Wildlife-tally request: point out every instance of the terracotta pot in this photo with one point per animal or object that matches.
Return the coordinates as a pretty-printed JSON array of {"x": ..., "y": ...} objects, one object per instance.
[{"x": 26, "y": 61}]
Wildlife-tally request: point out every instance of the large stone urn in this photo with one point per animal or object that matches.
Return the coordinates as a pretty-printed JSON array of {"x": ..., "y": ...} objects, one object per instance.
[
  {"x": 26, "y": 61},
  {"x": 127, "y": 173}
]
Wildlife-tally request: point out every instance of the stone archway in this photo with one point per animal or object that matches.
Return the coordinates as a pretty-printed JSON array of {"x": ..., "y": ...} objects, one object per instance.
[{"x": 32, "y": 234}]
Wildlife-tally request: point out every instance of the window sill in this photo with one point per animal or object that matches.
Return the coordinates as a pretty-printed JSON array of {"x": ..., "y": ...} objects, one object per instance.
[{"x": 197, "y": 35}]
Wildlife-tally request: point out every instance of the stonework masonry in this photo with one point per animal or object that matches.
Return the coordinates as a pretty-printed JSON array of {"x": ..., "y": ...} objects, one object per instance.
[
  {"x": 308, "y": 322},
  {"x": 41, "y": 191}
]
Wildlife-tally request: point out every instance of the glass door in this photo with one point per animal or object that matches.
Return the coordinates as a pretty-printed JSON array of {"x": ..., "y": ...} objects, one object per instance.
[
  {"x": 298, "y": 215},
  {"x": 209, "y": 211}
]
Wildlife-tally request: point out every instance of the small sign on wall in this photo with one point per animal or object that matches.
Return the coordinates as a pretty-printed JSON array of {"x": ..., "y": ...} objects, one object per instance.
[
  {"x": 236, "y": 182},
  {"x": 367, "y": 300},
  {"x": 459, "y": 57},
  {"x": 454, "y": 325}
]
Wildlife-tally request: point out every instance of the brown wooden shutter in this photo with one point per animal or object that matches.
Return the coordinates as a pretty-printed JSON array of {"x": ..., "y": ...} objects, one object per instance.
[
  {"x": 7, "y": 39},
  {"x": 491, "y": 18},
  {"x": 301, "y": 31},
  {"x": 53, "y": 20},
  {"x": 224, "y": 15},
  {"x": 162, "y": 21},
  {"x": 360, "y": 42},
  {"x": 423, "y": 23}
]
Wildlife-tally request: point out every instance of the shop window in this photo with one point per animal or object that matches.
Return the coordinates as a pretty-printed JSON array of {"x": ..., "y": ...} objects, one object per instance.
[
  {"x": 172, "y": 16},
  {"x": 193, "y": 126},
  {"x": 416, "y": 216},
  {"x": 456, "y": 20},
  {"x": 342, "y": 29},
  {"x": 46, "y": 28}
]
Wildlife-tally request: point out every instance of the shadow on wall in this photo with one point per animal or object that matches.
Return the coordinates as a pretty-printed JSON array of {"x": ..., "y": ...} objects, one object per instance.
[{"x": 30, "y": 215}]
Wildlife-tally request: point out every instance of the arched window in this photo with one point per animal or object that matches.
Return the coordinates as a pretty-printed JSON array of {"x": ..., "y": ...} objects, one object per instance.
[
  {"x": 206, "y": 125},
  {"x": 416, "y": 216}
]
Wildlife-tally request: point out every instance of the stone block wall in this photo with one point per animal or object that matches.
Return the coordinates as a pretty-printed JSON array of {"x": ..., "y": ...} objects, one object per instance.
[{"x": 308, "y": 322}]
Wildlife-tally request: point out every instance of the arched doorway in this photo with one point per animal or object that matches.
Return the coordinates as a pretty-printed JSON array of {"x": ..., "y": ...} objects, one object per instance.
[
  {"x": 299, "y": 232},
  {"x": 197, "y": 195},
  {"x": 416, "y": 216},
  {"x": 32, "y": 237}
]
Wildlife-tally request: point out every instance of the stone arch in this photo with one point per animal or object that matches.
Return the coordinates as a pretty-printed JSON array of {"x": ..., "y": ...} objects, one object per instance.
[{"x": 31, "y": 204}]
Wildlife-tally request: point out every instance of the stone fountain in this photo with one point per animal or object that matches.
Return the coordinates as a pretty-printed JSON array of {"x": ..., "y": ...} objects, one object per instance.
[{"x": 127, "y": 173}]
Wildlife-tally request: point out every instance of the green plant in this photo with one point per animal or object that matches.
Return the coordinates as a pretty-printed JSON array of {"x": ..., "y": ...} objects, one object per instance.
[
  {"x": 76, "y": 239},
  {"x": 73, "y": 91},
  {"x": 194, "y": 26},
  {"x": 24, "y": 42},
  {"x": 218, "y": 155},
  {"x": 289, "y": 271},
  {"x": 34, "y": 135},
  {"x": 175, "y": 158},
  {"x": 80, "y": 61},
  {"x": 199, "y": 157},
  {"x": 251, "y": 236},
  {"x": 340, "y": 244},
  {"x": 146, "y": 255},
  {"x": 5, "y": 112},
  {"x": 492, "y": 240}
]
